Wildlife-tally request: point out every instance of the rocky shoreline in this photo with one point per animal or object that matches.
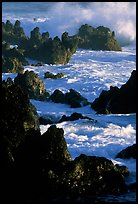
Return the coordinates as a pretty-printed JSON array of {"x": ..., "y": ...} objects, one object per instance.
[{"x": 40, "y": 166}]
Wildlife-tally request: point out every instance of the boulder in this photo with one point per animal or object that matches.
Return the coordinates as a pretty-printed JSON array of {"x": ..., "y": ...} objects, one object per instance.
[
  {"x": 92, "y": 175},
  {"x": 125, "y": 100},
  {"x": 100, "y": 38},
  {"x": 57, "y": 96},
  {"x": 118, "y": 100},
  {"x": 32, "y": 85},
  {"x": 129, "y": 152},
  {"x": 123, "y": 170},
  {"x": 53, "y": 76},
  {"x": 75, "y": 99},
  {"x": 54, "y": 147}
]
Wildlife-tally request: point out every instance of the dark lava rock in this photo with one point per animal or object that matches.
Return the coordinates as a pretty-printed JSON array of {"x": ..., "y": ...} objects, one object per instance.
[
  {"x": 18, "y": 116},
  {"x": 57, "y": 96},
  {"x": 125, "y": 100},
  {"x": 45, "y": 121},
  {"x": 54, "y": 147},
  {"x": 75, "y": 99},
  {"x": 123, "y": 170},
  {"x": 49, "y": 75},
  {"x": 100, "y": 104},
  {"x": 32, "y": 85},
  {"x": 37, "y": 166},
  {"x": 74, "y": 116},
  {"x": 129, "y": 152},
  {"x": 117, "y": 100},
  {"x": 92, "y": 175}
]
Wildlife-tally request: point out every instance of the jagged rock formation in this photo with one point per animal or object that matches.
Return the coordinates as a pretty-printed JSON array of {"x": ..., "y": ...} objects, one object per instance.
[{"x": 58, "y": 51}]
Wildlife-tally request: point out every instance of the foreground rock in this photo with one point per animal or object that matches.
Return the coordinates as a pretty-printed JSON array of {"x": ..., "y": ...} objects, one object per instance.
[
  {"x": 127, "y": 153},
  {"x": 35, "y": 166},
  {"x": 117, "y": 100},
  {"x": 91, "y": 175},
  {"x": 18, "y": 116}
]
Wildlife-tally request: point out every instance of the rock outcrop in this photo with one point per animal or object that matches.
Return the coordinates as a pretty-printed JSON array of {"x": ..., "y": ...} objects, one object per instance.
[
  {"x": 18, "y": 116},
  {"x": 32, "y": 85},
  {"x": 118, "y": 100},
  {"x": 129, "y": 152},
  {"x": 73, "y": 98},
  {"x": 35, "y": 166}
]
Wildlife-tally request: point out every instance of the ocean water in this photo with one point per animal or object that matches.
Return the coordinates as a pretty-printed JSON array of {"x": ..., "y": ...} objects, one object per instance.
[{"x": 88, "y": 72}]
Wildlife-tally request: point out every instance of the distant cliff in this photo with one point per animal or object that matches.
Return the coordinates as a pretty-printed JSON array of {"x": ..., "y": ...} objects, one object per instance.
[
  {"x": 100, "y": 38},
  {"x": 43, "y": 48}
]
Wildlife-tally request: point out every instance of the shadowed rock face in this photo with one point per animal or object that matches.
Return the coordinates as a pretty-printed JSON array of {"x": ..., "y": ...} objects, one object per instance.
[
  {"x": 54, "y": 147},
  {"x": 18, "y": 116},
  {"x": 117, "y": 100},
  {"x": 32, "y": 85},
  {"x": 129, "y": 152},
  {"x": 40, "y": 166}
]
